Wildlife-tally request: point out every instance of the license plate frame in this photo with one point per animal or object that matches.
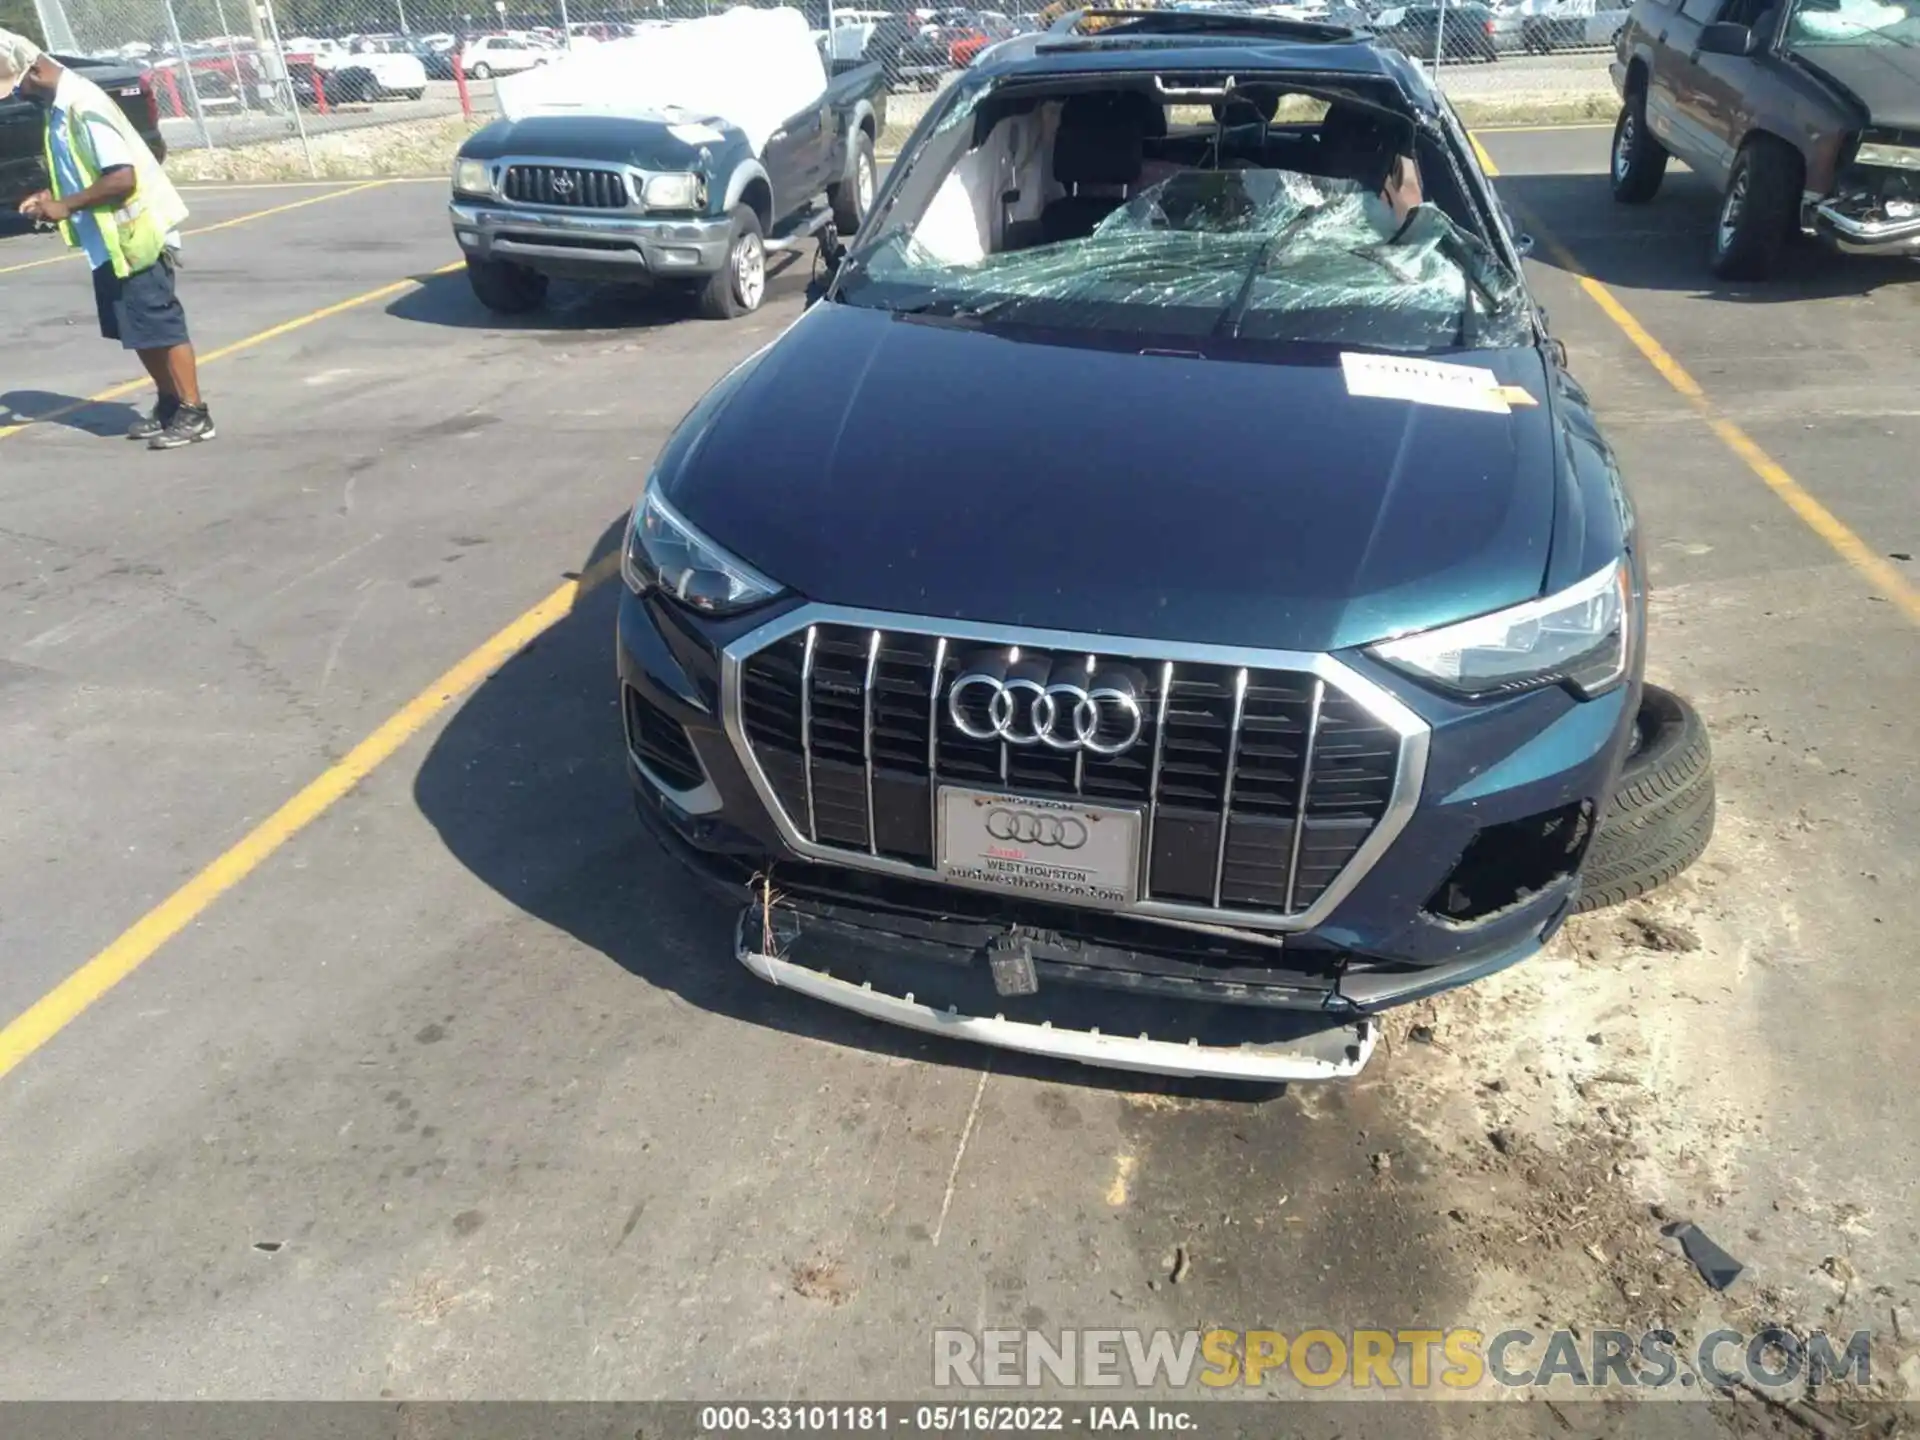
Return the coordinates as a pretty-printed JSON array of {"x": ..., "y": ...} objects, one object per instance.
[{"x": 968, "y": 853}]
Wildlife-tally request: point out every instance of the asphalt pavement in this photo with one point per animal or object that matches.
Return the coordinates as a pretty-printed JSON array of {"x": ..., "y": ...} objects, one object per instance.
[{"x": 443, "y": 1083}]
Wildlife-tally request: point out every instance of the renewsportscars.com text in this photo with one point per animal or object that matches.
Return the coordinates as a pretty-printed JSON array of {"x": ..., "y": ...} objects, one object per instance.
[{"x": 1457, "y": 1359}]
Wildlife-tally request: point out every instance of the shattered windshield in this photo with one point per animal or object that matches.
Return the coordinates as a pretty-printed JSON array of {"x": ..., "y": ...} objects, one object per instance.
[
  {"x": 1254, "y": 253},
  {"x": 1855, "y": 22}
]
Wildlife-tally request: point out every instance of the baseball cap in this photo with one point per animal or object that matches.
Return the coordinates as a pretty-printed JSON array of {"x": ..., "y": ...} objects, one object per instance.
[{"x": 17, "y": 54}]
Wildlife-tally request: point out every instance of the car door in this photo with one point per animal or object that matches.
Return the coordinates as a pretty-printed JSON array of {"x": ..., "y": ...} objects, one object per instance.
[
  {"x": 1720, "y": 103},
  {"x": 796, "y": 157},
  {"x": 1672, "y": 109}
]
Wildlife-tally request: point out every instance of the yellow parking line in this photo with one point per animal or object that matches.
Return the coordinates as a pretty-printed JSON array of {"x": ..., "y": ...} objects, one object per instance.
[
  {"x": 195, "y": 187},
  {"x": 1542, "y": 129},
  {"x": 222, "y": 225},
  {"x": 1823, "y": 522},
  {"x": 59, "y": 1007},
  {"x": 299, "y": 322}
]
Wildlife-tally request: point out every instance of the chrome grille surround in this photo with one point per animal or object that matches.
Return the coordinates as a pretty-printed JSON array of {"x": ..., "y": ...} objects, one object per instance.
[{"x": 1331, "y": 676}]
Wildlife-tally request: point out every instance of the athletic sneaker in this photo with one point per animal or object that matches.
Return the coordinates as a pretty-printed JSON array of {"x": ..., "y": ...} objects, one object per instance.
[
  {"x": 189, "y": 425},
  {"x": 155, "y": 420}
]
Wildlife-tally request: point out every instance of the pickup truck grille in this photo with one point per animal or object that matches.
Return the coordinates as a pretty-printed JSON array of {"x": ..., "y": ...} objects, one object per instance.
[
  {"x": 1258, "y": 786},
  {"x": 567, "y": 185}
]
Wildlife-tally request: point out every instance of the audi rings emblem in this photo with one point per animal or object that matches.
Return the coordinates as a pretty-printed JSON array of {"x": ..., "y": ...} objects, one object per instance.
[
  {"x": 1022, "y": 708},
  {"x": 1057, "y": 832}
]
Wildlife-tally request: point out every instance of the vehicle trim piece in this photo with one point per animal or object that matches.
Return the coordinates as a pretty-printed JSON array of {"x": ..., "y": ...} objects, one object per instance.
[
  {"x": 933, "y": 741},
  {"x": 806, "y": 727},
  {"x": 866, "y": 736},
  {"x": 1226, "y": 791},
  {"x": 1341, "y": 1052},
  {"x": 1306, "y": 787},
  {"x": 703, "y": 799},
  {"x": 1380, "y": 703}
]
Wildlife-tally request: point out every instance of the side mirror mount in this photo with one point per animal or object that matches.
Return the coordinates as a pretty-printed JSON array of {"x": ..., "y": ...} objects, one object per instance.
[
  {"x": 1523, "y": 245},
  {"x": 1724, "y": 37}
]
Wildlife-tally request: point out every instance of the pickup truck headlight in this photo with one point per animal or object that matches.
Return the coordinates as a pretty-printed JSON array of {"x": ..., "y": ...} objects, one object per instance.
[
  {"x": 1577, "y": 637},
  {"x": 665, "y": 553},
  {"x": 1895, "y": 157},
  {"x": 472, "y": 177},
  {"x": 677, "y": 191}
]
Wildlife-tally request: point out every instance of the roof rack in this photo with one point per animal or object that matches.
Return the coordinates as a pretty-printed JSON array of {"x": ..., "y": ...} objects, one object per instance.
[{"x": 1213, "y": 20}]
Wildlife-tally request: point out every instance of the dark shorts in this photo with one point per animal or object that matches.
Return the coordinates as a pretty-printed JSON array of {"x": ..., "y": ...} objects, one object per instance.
[{"x": 141, "y": 311}]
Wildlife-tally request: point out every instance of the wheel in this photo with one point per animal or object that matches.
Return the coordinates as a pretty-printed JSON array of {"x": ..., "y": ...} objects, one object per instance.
[
  {"x": 738, "y": 287},
  {"x": 504, "y": 288},
  {"x": 852, "y": 198},
  {"x": 482, "y": 71},
  {"x": 1660, "y": 816},
  {"x": 1639, "y": 160},
  {"x": 1757, "y": 212}
]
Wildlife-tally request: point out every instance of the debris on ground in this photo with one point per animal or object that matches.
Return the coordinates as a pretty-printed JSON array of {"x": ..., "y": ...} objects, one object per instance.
[
  {"x": 1652, "y": 933},
  {"x": 1501, "y": 1140},
  {"x": 822, "y": 1280},
  {"x": 1381, "y": 1161},
  {"x": 1421, "y": 1034},
  {"x": 1717, "y": 1268},
  {"x": 1182, "y": 1263}
]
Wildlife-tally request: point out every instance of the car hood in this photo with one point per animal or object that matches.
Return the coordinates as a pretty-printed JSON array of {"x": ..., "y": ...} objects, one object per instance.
[
  {"x": 941, "y": 470},
  {"x": 1883, "y": 79},
  {"x": 611, "y": 139}
]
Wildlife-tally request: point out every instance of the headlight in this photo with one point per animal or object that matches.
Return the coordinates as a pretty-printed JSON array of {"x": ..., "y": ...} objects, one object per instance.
[
  {"x": 1898, "y": 157},
  {"x": 665, "y": 553},
  {"x": 1578, "y": 637},
  {"x": 472, "y": 177},
  {"x": 673, "y": 192}
]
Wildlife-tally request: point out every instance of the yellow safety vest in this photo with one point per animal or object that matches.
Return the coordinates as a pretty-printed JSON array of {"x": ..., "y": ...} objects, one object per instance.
[{"x": 137, "y": 231}]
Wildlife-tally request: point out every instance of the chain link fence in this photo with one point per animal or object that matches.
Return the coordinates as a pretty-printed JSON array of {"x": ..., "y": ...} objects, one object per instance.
[
  {"x": 1523, "y": 61},
  {"x": 304, "y": 75}
]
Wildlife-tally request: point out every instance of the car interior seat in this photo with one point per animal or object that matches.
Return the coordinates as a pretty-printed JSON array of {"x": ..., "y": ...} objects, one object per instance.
[{"x": 1098, "y": 150}]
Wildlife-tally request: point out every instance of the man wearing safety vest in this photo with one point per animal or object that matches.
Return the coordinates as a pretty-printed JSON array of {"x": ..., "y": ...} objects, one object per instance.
[{"x": 111, "y": 200}]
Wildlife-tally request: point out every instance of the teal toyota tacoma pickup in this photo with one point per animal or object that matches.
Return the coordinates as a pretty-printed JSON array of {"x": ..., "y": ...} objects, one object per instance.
[{"x": 680, "y": 199}]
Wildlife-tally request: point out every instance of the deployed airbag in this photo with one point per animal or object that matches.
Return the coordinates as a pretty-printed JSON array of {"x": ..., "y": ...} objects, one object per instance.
[{"x": 752, "y": 69}]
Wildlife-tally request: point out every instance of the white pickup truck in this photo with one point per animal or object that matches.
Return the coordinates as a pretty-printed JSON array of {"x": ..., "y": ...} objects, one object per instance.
[{"x": 351, "y": 76}]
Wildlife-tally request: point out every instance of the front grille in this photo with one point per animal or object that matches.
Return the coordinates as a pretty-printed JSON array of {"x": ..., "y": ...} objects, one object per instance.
[
  {"x": 850, "y": 728},
  {"x": 567, "y": 185}
]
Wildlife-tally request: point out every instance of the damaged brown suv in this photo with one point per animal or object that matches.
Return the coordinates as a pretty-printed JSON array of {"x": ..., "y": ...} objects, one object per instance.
[{"x": 1806, "y": 114}]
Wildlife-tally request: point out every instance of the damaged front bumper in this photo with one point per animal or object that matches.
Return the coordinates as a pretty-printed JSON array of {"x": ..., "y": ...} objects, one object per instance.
[
  {"x": 1191, "y": 1045},
  {"x": 589, "y": 244},
  {"x": 1480, "y": 878},
  {"x": 1867, "y": 222}
]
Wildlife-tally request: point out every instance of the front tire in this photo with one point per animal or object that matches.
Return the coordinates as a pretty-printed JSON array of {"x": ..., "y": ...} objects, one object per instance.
[
  {"x": 1660, "y": 816},
  {"x": 1639, "y": 161},
  {"x": 1757, "y": 212},
  {"x": 505, "y": 288},
  {"x": 482, "y": 71},
  {"x": 738, "y": 286},
  {"x": 852, "y": 198}
]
